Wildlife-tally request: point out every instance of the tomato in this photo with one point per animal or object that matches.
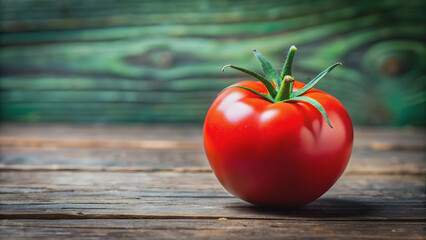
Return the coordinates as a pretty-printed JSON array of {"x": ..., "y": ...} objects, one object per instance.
[{"x": 277, "y": 153}]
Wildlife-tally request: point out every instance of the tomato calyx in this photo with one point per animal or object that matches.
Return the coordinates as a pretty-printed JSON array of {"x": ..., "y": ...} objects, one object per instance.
[
  {"x": 282, "y": 89},
  {"x": 285, "y": 89}
]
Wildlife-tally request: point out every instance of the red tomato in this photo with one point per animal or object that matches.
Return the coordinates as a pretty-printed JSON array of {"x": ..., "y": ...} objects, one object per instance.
[{"x": 276, "y": 153}]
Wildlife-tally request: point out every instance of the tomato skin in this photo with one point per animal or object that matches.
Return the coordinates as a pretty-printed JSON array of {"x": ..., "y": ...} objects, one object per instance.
[{"x": 276, "y": 154}]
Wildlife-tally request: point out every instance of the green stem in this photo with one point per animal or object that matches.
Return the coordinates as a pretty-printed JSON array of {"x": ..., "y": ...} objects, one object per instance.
[
  {"x": 288, "y": 64},
  {"x": 285, "y": 89}
]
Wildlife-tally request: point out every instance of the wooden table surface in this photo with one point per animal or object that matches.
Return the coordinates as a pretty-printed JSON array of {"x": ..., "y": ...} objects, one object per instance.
[{"x": 154, "y": 182}]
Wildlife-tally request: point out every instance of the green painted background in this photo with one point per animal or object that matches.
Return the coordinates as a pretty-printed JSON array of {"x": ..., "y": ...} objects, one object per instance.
[{"x": 160, "y": 61}]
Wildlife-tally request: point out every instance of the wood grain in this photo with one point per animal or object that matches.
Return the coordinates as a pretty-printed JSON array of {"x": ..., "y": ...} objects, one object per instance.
[
  {"x": 147, "y": 61},
  {"x": 137, "y": 132},
  {"x": 137, "y": 136},
  {"x": 144, "y": 148},
  {"x": 180, "y": 160},
  {"x": 170, "y": 194},
  {"x": 100, "y": 182},
  {"x": 164, "y": 144},
  {"x": 211, "y": 228}
]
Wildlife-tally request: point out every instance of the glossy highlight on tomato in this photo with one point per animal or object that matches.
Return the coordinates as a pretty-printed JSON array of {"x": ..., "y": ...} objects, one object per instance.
[{"x": 277, "y": 152}]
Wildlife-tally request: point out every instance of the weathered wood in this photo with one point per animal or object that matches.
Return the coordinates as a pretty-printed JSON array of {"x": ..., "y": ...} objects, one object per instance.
[
  {"x": 69, "y": 135},
  {"x": 28, "y": 142},
  {"x": 148, "y": 13},
  {"x": 99, "y": 182},
  {"x": 109, "y": 62},
  {"x": 170, "y": 194},
  {"x": 144, "y": 148},
  {"x": 162, "y": 144},
  {"x": 363, "y": 161},
  {"x": 211, "y": 228},
  {"x": 145, "y": 132}
]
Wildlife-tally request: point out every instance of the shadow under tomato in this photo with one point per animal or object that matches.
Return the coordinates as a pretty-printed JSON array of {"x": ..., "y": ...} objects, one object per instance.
[{"x": 321, "y": 208}]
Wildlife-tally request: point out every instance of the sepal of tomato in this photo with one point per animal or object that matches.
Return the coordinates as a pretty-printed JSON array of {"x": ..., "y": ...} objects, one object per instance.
[{"x": 276, "y": 153}]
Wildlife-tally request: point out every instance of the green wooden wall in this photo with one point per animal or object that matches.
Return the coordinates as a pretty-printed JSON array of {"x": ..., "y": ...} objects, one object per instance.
[{"x": 160, "y": 61}]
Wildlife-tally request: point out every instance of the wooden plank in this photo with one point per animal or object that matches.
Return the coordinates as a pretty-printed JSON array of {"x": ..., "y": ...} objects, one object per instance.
[
  {"x": 160, "y": 144},
  {"x": 82, "y": 143},
  {"x": 111, "y": 84},
  {"x": 143, "y": 191},
  {"x": 398, "y": 139},
  {"x": 128, "y": 159},
  {"x": 108, "y": 96},
  {"x": 144, "y": 148},
  {"x": 49, "y": 195},
  {"x": 148, "y": 13},
  {"x": 87, "y": 158},
  {"x": 59, "y": 61},
  {"x": 146, "y": 132},
  {"x": 365, "y": 137},
  {"x": 211, "y": 228}
]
